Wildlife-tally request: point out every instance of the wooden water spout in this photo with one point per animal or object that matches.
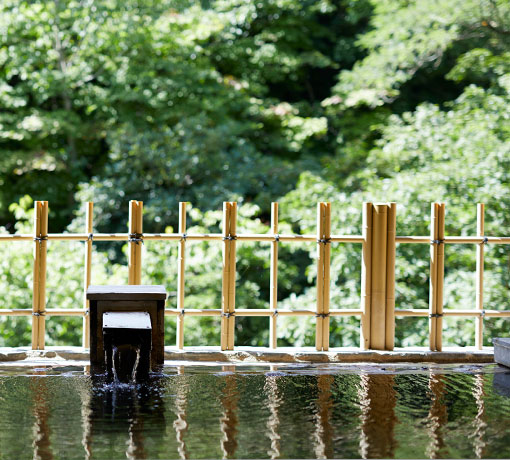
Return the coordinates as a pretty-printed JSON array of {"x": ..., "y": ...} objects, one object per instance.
[
  {"x": 126, "y": 330},
  {"x": 127, "y": 345}
]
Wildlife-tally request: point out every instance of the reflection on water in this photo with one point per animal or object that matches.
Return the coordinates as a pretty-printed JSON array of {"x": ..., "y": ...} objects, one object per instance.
[
  {"x": 479, "y": 421},
  {"x": 41, "y": 410},
  {"x": 378, "y": 400},
  {"x": 274, "y": 401},
  {"x": 324, "y": 430},
  {"x": 124, "y": 408},
  {"x": 228, "y": 421},
  {"x": 180, "y": 424},
  {"x": 438, "y": 416},
  {"x": 239, "y": 412}
]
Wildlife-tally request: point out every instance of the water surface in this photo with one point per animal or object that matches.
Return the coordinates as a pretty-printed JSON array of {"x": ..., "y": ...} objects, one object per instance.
[{"x": 289, "y": 411}]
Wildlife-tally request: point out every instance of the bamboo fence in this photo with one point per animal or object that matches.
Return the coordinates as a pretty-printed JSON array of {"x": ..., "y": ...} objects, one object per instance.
[{"x": 378, "y": 241}]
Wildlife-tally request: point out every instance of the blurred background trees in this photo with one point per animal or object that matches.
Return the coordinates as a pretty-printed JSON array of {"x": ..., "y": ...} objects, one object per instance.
[{"x": 255, "y": 101}]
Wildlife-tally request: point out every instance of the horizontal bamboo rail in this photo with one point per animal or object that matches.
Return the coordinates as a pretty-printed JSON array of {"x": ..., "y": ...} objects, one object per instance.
[
  {"x": 266, "y": 312},
  {"x": 229, "y": 237},
  {"x": 258, "y": 312},
  {"x": 255, "y": 237},
  {"x": 454, "y": 312},
  {"x": 262, "y": 237},
  {"x": 455, "y": 239},
  {"x": 49, "y": 312}
]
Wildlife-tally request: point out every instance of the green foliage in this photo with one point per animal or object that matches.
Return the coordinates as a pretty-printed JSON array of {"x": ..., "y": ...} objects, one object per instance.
[
  {"x": 183, "y": 96},
  {"x": 297, "y": 101},
  {"x": 418, "y": 35}
]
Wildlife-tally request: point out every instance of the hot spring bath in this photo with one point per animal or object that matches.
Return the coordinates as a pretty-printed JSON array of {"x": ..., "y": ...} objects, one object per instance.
[{"x": 258, "y": 411}]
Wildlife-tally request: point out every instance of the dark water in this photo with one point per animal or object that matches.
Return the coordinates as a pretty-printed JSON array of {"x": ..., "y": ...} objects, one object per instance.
[{"x": 259, "y": 412}]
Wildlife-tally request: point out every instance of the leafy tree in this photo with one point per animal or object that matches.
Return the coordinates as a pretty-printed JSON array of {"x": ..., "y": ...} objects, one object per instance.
[
  {"x": 174, "y": 101},
  {"x": 192, "y": 99}
]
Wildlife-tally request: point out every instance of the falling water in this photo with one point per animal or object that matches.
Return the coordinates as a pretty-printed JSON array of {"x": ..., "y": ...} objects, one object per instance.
[{"x": 125, "y": 360}]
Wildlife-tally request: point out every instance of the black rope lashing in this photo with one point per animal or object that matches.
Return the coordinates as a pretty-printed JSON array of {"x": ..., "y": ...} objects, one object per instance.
[
  {"x": 485, "y": 240},
  {"x": 228, "y": 314},
  {"x": 436, "y": 241},
  {"x": 184, "y": 237},
  {"x": 482, "y": 313},
  {"x": 324, "y": 240},
  {"x": 182, "y": 313},
  {"x": 435, "y": 315},
  {"x": 136, "y": 238},
  {"x": 40, "y": 239},
  {"x": 230, "y": 238},
  {"x": 86, "y": 312},
  {"x": 275, "y": 313},
  {"x": 39, "y": 313},
  {"x": 90, "y": 237},
  {"x": 277, "y": 238},
  {"x": 322, "y": 315}
]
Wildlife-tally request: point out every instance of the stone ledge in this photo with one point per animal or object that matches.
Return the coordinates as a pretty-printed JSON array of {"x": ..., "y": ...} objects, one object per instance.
[
  {"x": 344, "y": 355},
  {"x": 267, "y": 355}
]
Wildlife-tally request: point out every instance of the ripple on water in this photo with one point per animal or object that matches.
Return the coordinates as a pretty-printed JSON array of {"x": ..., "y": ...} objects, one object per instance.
[{"x": 257, "y": 411}]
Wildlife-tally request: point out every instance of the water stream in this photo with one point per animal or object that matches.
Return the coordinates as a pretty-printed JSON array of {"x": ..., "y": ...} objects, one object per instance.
[{"x": 125, "y": 360}]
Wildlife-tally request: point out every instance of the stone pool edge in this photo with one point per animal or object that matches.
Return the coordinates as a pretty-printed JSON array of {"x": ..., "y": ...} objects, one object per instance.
[{"x": 267, "y": 355}]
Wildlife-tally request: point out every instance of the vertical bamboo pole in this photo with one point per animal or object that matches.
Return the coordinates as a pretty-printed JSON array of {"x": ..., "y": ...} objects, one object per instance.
[
  {"x": 440, "y": 276},
  {"x": 225, "y": 277},
  {"x": 273, "y": 287},
  {"x": 139, "y": 228},
  {"x": 228, "y": 277},
  {"x": 39, "y": 281},
  {"x": 181, "y": 276},
  {"x": 89, "y": 216},
  {"x": 132, "y": 251},
  {"x": 480, "y": 231},
  {"x": 319, "y": 325},
  {"x": 327, "y": 276},
  {"x": 36, "y": 276},
  {"x": 42, "y": 288},
  {"x": 366, "y": 276},
  {"x": 390, "y": 277},
  {"x": 232, "y": 275},
  {"x": 378, "y": 306},
  {"x": 135, "y": 248},
  {"x": 433, "y": 276}
]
